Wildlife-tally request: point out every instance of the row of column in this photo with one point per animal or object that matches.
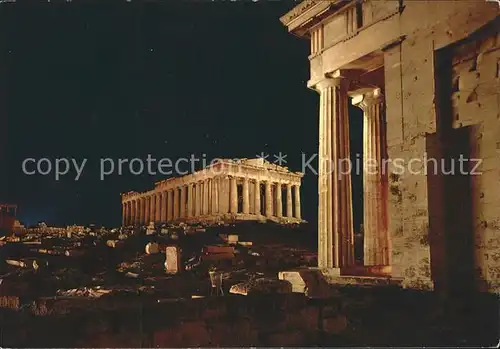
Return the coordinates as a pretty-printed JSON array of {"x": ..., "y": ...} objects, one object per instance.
[
  {"x": 335, "y": 220},
  {"x": 209, "y": 197},
  {"x": 292, "y": 201}
]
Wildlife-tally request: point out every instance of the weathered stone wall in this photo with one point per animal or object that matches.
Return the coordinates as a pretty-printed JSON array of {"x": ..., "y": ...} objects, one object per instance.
[
  {"x": 355, "y": 317},
  {"x": 475, "y": 98},
  {"x": 412, "y": 109},
  {"x": 411, "y": 33}
]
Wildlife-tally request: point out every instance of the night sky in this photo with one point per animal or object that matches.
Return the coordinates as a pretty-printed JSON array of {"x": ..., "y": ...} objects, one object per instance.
[{"x": 127, "y": 80}]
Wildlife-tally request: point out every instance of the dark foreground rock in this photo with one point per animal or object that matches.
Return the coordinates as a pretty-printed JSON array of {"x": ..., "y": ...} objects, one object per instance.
[{"x": 355, "y": 317}]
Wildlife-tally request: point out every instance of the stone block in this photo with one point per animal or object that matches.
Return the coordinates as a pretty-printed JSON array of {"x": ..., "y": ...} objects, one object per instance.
[{"x": 173, "y": 263}]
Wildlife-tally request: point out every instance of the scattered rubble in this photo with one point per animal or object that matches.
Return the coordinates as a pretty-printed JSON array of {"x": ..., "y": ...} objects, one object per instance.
[{"x": 168, "y": 261}]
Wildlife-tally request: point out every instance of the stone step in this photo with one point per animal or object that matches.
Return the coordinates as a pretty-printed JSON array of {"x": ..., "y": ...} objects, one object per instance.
[{"x": 319, "y": 283}]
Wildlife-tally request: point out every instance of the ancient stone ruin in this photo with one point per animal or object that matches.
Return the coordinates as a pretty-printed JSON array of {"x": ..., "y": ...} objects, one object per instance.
[
  {"x": 426, "y": 75},
  {"x": 247, "y": 189}
]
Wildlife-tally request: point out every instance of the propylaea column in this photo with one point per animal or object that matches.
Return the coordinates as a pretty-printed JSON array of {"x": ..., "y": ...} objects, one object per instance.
[
  {"x": 279, "y": 200},
  {"x": 269, "y": 200},
  {"x": 335, "y": 225},
  {"x": 246, "y": 196},
  {"x": 233, "y": 195},
  {"x": 257, "y": 197},
  {"x": 375, "y": 180}
]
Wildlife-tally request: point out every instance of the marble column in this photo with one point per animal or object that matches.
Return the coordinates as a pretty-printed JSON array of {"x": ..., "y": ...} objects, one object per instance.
[
  {"x": 164, "y": 207},
  {"x": 134, "y": 212},
  {"x": 158, "y": 208},
  {"x": 190, "y": 209},
  {"x": 246, "y": 196},
  {"x": 233, "y": 195},
  {"x": 257, "y": 197},
  {"x": 144, "y": 215},
  {"x": 197, "y": 200},
  {"x": 182, "y": 213},
  {"x": 375, "y": 180},
  {"x": 269, "y": 200},
  {"x": 138, "y": 206},
  {"x": 170, "y": 203},
  {"x": 152, "y": 208},
  {"x": 175, "y": 214},
  {"x": 215, "y": 196},
  {"x": 335, "y": 225},
  {"x": 147, "y": 219},
  {"x": 206, "y": 188},
  {"x": 124, "y": 213},
  {"x": 289, "y": 202},
  {"x": 297, "y": 202},
  {"x": 224, "y": 199},
  {"x": 279, "y": 200}
]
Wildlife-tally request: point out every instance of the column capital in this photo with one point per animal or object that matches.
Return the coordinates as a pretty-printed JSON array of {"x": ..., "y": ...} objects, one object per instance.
[{"x": 368, "y": 99}]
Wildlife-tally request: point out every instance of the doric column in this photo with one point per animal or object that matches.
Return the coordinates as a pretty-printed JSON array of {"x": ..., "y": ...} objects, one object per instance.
[
  {"x": 170, "y": 203},
  {"x": 375, "y": 182},
  {"x": 158, "y": 208},
  {"x": 182, "y": 213},
  {"x": 127, "y": 213},
  {"x": 152, "y": 209},
  {"x": 289, "y": 203},
  {"x": 176, "y": 203},
  {"x": 124, "y": 213},
  {"x": 246, "y": 196},
  {"x": 297, "y": 202},
  {"x": 190, "y": 209},
  {"x": 138, "y": 211},
  {"x": 224, "y": 194},
  {"x": 257, "y": 197},
  {"x": 164, "y": 207},
  {"x": 233, "y": 195},
  {"x": 144, "y": 211},
  {"x": 215, "y": 195},
  {"x": 148, "y": 210},
  {"x": 335, "y": 226},
  {"x": 269, "y": 200},
  {"x": 197, "y": 200},
  {"x": 134, "y": 212},
  {"x": 206, "y": 188},
  {"x": 279, "y": 200}
]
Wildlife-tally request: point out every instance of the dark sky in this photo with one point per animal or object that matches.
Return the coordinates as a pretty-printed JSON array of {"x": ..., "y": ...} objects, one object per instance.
[{"x": 168, "y": 79}]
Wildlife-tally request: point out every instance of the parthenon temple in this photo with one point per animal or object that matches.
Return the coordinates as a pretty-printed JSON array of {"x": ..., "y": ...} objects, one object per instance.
[{"x": 246, "y": 189}]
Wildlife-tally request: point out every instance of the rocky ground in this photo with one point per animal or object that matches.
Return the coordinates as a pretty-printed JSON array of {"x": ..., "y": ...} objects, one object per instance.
[{"x": 114, "y": 289}]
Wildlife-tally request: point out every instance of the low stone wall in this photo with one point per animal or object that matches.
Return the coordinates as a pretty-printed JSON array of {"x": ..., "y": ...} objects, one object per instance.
[{"x": 354, "y": 317}]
